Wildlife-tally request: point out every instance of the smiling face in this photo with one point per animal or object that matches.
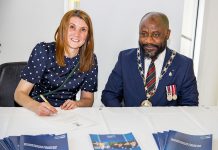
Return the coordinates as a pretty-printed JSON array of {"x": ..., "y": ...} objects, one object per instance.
[
  {"x": 77, "y": 33},
  {"x": 153, "y": 35}
]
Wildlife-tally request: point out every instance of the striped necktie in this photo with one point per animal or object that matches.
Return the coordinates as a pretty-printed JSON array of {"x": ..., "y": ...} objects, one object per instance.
[{"x": 151, "y": 80}]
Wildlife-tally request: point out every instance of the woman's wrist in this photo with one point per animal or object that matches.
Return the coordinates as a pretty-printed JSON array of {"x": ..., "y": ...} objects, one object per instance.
[{"x": 78, "y": 103}]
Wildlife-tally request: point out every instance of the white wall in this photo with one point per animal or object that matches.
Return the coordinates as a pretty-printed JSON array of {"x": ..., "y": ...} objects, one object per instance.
[
  {"x": 24, "y": 23},
  {"x": 116, "y": 28},
  {"x": 208, "y": 49}
]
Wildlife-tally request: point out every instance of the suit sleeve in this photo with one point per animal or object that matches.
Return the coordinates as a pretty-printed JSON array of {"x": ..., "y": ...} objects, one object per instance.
[
  {"x": 112, "y": 95},
  {"x": 189, "y": 92}
]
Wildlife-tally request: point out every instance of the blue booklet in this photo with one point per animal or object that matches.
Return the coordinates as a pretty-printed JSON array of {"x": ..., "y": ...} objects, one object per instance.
[
  {"x": 114, "y": 141},
  {"x": 3, "y": 145},
  {"x": 13, "y": 142},
  {"x": 54, "y": 142},
  {"x": 156, "y": 140},
  {"x": 160, "y": 139},
  {"x": 170, "y": 140},
  {"x": 35, "y": 142}
]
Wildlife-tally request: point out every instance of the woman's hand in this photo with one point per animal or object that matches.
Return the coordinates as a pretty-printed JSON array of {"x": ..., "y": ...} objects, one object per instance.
[
  {"x": 22, "y": 97},
  {"x": 44, "y": 109},
  {"x": 86, "y": 100},
  {"x": 70, "y": 104}
]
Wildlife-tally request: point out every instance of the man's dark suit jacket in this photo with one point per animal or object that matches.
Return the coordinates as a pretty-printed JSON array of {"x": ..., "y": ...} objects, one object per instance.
[{"x": 125, "y": 86}]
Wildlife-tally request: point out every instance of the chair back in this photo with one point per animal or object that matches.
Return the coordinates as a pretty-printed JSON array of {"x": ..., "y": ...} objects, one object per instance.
[{"x": 9, "y": 78}]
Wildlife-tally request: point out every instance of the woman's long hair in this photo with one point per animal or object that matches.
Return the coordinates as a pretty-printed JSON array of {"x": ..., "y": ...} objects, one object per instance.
[{"x": 85, "y": 51}]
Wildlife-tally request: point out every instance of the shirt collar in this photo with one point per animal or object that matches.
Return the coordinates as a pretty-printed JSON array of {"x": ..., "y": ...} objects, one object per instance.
[{"x": 160, "y": 58}]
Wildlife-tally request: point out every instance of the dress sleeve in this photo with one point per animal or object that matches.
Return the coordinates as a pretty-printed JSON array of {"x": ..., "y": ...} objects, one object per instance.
[
  {"x": 91, "y": 81},
  {"x": 36, "y": 64}
]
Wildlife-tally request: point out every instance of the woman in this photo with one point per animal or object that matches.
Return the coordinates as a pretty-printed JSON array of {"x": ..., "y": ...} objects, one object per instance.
[{"x": 57, "y": 71}]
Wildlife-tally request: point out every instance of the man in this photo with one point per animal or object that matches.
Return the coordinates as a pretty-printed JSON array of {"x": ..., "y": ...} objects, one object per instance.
[{"x": 153, "y": 74}]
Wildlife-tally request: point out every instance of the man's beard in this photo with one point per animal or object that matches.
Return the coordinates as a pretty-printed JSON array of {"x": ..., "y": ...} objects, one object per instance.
[{"x": 153, "y": 54}]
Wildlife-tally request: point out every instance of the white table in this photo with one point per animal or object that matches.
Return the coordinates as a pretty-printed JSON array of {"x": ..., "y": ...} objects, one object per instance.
[{"x": 81, "y": 122}]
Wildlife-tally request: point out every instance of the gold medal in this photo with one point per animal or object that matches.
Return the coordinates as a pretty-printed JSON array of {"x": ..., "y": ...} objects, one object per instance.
[
  {"x": 146, "y": 103},
  {"x": 169, "y": 97},
  {"x": 174, "y": 97}
]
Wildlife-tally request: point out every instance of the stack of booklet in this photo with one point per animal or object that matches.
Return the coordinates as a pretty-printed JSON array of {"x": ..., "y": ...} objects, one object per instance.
[
  {"x": 35, "y": 142},
  {"x": 174, "y": 140},
  {"x": 114, "y": 141}
]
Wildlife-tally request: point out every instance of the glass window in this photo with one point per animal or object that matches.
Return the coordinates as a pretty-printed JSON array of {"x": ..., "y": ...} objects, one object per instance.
[{"x": 189, "y": 27}]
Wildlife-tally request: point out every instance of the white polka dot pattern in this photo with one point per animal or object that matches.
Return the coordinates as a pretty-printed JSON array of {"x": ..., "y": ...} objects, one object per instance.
[{"x": 44, "y": 72}]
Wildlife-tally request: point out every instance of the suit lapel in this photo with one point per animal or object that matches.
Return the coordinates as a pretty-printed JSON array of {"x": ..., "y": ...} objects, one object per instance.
[
  {"x": 160, "y": 91},
  {"x": 141, "y": 90}
]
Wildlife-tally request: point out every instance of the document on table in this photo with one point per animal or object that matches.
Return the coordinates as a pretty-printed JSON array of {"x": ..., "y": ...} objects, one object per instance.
[{"x": 68, "y": 120}]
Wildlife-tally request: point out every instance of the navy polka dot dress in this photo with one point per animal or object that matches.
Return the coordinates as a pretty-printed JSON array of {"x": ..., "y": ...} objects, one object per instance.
[{"x": 43, "y": 71}]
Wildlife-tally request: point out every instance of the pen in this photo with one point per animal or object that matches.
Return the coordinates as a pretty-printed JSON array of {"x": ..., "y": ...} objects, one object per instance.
[{"x": 44, "y": 99}]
